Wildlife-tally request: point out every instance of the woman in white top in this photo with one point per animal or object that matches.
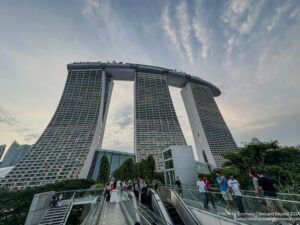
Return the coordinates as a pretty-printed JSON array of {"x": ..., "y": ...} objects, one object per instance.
[{"x": 114, "y": 193}]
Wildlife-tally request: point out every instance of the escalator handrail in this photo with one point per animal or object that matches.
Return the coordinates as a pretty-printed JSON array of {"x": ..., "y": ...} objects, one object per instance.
[
  {"x": 161, "y": 207},
  {"x": 183, "y": 204}
]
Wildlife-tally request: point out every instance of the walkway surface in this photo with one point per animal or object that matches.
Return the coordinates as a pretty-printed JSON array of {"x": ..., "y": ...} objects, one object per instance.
[{"x": 113, "y": 215}]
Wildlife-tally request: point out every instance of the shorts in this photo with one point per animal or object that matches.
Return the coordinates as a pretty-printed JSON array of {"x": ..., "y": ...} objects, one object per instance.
[
  {"x": 273, "y": 202},
  {"x": 226, "y": 196}
]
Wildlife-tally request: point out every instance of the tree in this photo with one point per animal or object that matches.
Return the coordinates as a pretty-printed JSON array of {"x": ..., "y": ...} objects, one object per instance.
[
  {"x": 130, "y": 170},
  {"x": 104, "y": 170},
  {"x": 282, "y": 164},
  {"x": 149, "y": 168}
]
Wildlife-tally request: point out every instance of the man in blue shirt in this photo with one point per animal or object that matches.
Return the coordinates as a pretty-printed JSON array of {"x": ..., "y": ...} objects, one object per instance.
[{"x": 224, "y": 190}]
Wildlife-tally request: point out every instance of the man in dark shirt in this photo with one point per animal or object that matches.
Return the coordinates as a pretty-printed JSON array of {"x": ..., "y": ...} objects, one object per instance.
[
  {"x": 273, "y": 203},
  {"x": 178, "y": 185}
]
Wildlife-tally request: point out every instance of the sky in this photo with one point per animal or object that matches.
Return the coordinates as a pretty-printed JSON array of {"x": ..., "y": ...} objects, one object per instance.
[{"x": 249, "y": 49}]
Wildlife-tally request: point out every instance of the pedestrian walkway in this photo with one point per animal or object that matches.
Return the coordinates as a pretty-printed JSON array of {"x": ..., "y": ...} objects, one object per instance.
[{"x": 113, "y": 215}]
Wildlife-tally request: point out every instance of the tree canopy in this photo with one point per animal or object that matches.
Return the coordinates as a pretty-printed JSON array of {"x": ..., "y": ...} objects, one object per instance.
[
  {"x": 104, "y": 170},
  {"x": 282, "y": 164},
  {"x": 129, "y": 170}
]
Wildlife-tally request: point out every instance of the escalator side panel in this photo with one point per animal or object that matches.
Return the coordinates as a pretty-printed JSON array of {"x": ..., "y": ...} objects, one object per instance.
[{"x": 172, "y": 198}]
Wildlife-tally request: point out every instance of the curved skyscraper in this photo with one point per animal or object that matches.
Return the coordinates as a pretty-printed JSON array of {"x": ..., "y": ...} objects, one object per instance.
[{"x": 67, "y": 147}]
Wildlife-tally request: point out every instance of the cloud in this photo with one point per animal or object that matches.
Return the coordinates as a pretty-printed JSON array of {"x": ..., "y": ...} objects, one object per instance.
[
  {"x": 279, "y": 12},
  {"x": 184, "y": 29},
  {"x": 9, "y": 124},
  {"x": 124, "y": 117},
  {"x": 234, "y": 13},
  {"x": 242, "y": 15},
  {"x": 232, "y": 42},
  {"x": 168, "y": 28},
  {"x": 30, "y": 137},
  {"x": 119, "y": 37},
  {"x": 252, "y": 17},
  {"x": 202, "y": 34},
  {"x": 295, "y": 14},
  {"x": 119, "y": 133},
  {"x": 6, "y": 118}
]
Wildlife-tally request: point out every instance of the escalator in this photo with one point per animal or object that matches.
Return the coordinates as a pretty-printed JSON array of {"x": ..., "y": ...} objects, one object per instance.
[
  {"x": 166, "y": 208},
  {"x": 173, "y": 214},
  {"x": 176, "y": 208}
]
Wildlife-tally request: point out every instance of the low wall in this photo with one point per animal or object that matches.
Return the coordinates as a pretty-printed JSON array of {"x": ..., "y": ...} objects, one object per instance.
[
  {"x": 39, "y": 204},
  {"x": 205, "y": 217}
]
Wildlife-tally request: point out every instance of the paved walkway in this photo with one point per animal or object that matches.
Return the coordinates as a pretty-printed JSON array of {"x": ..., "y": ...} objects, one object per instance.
[{"x": 113, "y": 215}]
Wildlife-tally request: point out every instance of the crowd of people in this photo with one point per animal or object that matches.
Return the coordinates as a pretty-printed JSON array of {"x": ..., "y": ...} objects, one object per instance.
[
  {"x": 139, "y": 187},
  {"x": 265, "y": 192}
]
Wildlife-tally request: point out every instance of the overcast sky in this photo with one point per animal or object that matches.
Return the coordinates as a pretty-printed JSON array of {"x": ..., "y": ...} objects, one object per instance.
[{"x": 249, "y": 49}]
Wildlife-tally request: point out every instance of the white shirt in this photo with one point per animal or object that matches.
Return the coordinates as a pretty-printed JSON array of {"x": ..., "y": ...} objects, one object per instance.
[
  {"x": 201, "y": 185},
  {"x": 234, "y": 184}
]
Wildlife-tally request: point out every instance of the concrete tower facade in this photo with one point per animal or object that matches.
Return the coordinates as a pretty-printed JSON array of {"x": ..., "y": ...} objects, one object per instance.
[
  {"x": 211, "y": 134},
  {"x": 66, "y": 147},
  {"x": 156, "y": 123}
]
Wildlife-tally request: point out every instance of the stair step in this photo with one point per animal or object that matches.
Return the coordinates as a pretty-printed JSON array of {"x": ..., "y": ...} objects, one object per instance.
[
  {"x": 52, "y": 219},
  {"x": 54, "y": 216}
]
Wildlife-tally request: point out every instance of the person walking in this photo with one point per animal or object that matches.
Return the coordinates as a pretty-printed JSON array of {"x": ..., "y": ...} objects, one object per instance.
[
  {"x": 208, "y": 192},
  {"x": 258, "y": 192},
  {"x": 222, "y": 180},
  {"x": 273, "y": 203},
  {"x": 234, "y": 186},
  {"x": 156, "y": 185},
  {"x": 107, "y": 191},
  {"x": 114, "y": 193},
  {"x": 178, "y": 186},
  {"x": 144, "y": 194},
  {"x": 130, "y": 185},
  {"x": 124, "y": 185},
  {"x": 136, "y": 189},
  {"x": 202, "y": 188},
  {"x": 141, "y": 185},
  {"x": 54, "y": 201}
]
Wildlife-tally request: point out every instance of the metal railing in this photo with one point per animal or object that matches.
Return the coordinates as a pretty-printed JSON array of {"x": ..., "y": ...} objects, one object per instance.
[
  {"x": 138, "y": 212},
  {"x": 66, "y": 215},
  {"x": 173, "y": 198},
  {"x": 255, "y": 209},
  {"x": 80, "y": 193}
]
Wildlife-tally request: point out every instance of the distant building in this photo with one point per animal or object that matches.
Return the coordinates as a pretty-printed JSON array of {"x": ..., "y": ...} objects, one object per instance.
[
  {"x": 2, "y": 149},
  {"x": 179, "y": 162},
  {"x": 115, "y": 158},
  {"x": 14, "y": 154},
  {"x": 255, "y": 141}
]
